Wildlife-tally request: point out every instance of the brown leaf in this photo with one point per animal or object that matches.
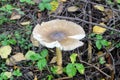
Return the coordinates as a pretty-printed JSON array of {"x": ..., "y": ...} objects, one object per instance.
[
  {"x": 15, "y": 15},
  {"x": 15, "y": 58},
  {"x": 72, "y": 9},
  {"x": 54, "y": 59},
  {"x": 25, "y": 23}
]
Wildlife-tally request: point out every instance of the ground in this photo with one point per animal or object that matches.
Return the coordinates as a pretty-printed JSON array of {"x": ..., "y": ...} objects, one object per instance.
[{"x": 100, "y": 54}]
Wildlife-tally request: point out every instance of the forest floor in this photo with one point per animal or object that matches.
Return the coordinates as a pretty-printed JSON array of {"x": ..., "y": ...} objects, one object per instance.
[{"x": 98, "y": 58}]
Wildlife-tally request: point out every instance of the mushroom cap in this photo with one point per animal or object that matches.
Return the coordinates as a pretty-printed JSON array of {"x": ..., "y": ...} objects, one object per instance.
[{"x": 59, "y": 33}]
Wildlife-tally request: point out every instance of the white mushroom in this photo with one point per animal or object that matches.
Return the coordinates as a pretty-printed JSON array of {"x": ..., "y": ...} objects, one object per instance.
[{"x": 62, "y": 34}]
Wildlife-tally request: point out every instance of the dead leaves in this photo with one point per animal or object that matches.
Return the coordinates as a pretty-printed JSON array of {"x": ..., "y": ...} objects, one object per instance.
[
  {"x": 15, "y": 58},
  {"x": 5, "y": 51},
  {"x": 98, "y": 29},
  {"x": 99, "y": 7},
  {"x": 72, "y": 9}
]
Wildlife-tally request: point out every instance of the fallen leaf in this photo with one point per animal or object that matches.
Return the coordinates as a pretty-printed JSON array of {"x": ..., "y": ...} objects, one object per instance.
[
  {"x": 109, "y": 66},
  {"x": 5, "y": 51},
  {"x": 34, "y": 41},
  {"x": 8, "y": 74},
  {"x": 98, "y": 29},
  {"x": 72, "y": 8},
  {"x": 35, "y": 78},
  {"x": 25, "y": 23},
  {"x": 63, "y": 0},
  {"x": 15, "y": 15},
  {"x": 99, "y": 7},
  {"x": 15, "y": 58},
  {"x": 54, "y": 59}
]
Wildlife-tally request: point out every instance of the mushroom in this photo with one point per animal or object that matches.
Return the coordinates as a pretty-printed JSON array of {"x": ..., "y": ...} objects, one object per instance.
[{"x": 62, "y": 34}]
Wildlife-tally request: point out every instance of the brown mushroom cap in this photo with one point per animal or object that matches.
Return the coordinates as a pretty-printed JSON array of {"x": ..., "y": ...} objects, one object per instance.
[{"x": 59, "y": 33}]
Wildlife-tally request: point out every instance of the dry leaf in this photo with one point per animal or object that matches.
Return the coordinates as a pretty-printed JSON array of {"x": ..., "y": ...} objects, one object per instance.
[
  {"x": 99, "y": 7},
  {"x": 98, "y": 29},
  {"x": 72, "y": 9},
  {"x": 54, "y": 59},
  {"x": 63, "y": 0},
  {"x": 25, "y": 23},
  {"x": 109, "y": 66},
  {"x": 15, "y": 58},
  {"x": 35, "y": 78},
  {"x": 5, "y": 51},
  {"x": 15, "y": 16},
  {"x": 34, "y": 41}
]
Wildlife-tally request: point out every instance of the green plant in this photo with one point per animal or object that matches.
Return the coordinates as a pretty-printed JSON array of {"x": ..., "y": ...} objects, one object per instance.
[
  {"x": 72, "y": 68},
  {"x": 17, "y": 73},
  {"x": 117, "y": 45},
  {"x": 27, "y": 1},
  {"x": 3, "y": 19},
  {"x": 45, "y": 5},
  {"x": 38, "y": 58},
  {"x": 23, "y": 40},
  {"x": 7, "y": 8},
  {"x": 3, "y": 76},
  {"x": 7, "y": 40},
  {"x": 100, "y": 41},
  {"x": 102, "y": 60}
]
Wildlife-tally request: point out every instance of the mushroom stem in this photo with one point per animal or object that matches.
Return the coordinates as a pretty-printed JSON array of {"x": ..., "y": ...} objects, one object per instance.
[{"x": 59, "y": 60}]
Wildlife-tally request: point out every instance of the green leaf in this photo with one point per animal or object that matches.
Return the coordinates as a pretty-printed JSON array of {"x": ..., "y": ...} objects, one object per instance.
[
  {"x": 41, "y": 64},
  {"x": 35, "y": 57},
  {"x": 29, "y": 54},
  {"x": 102, "y": 60},
  {"x": 48, "y": 6},
  {"x": 73, "y": 57},
  {"x": 17, "y": 72},
  {"x": 41, "y": 6},
  {"x": 98, "y": 44},
  {"x": 45, "y": 1},
  {"x": 104, "y": 42},
  {"x": 54, "y": 69},
  {"x": 12, "y": 41},
  {"x": 50, "y": 77},
  {"x": 44, "y": 53},
  {"x": 22, "y": 0},
  {"x": 80, "y": 68},
  {"x": 3, "y": 76},
  {"x": 118, "y": 1},
  {"x": 99, "y": 36},
  {"x": 70, "y": 70}
]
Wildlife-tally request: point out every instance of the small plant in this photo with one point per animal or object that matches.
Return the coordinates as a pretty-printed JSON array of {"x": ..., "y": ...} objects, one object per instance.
[
  {"x": 38, "y": 58},
  {"x": 17, "y": 73},
  {"x": 101, "y": 42},
  {"x": 27, "y": 1},
  {"x": 45, "y": 5},
  {"x": 22, "y": 40},
  {"x": 102, "y": 60},
  {"x": 7, "y": 40},
  {"x": 7, "y": 8},
  {"x": 3, "y": 76},
  {"x": 72, "y": 68}
]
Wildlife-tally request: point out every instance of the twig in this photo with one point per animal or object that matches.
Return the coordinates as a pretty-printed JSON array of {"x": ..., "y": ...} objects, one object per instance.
[
  {"x": 63, "y": 17},
  {"x": 96, "y": 68},
  {"x": 63, "y": 78}
]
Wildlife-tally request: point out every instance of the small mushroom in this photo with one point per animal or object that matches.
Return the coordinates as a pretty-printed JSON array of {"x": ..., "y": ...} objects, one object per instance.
[{"x": 62, "y": 34}]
